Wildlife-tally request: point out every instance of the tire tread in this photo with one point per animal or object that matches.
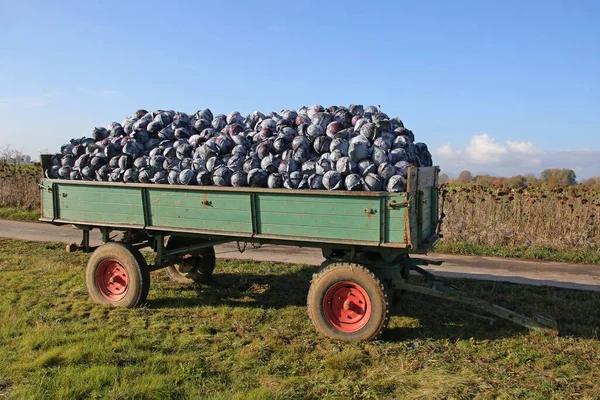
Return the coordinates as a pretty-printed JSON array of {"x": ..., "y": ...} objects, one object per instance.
[{"x": 333, "y": 266}]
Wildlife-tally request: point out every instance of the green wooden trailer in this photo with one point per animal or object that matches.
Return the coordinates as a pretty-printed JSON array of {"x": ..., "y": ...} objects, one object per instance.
[{"x": 366, "y": 238}]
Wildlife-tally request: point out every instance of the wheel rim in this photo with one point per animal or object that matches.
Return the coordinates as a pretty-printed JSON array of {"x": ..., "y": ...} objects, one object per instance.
[
  {"x": 112, "y": 279},
  {"x": 347, "y": 306}
]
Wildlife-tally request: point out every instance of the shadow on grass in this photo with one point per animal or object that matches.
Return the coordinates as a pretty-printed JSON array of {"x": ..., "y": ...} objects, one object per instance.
[
  {"x": 245, "y": 290},
  {"x": 428, "y": 318}
]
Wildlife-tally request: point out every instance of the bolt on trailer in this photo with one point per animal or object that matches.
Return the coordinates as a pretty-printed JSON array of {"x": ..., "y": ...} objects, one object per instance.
[{"x": 367, "y": 239}]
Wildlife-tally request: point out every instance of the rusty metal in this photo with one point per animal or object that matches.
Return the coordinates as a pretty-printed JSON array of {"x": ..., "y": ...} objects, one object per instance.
[{"x": 397, "y": 204}]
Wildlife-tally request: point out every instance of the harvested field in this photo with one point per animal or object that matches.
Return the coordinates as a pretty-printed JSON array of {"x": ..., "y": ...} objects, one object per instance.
[
  {"x": 18, "y": 186},
  {"x": 558, "y": 218}
]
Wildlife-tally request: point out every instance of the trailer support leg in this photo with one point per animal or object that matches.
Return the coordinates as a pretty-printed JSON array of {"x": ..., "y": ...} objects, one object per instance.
[
  {"x": 85, "y": 242},
  {"x": 436, "y": 287},
  {"x": 84, "y": 245}
]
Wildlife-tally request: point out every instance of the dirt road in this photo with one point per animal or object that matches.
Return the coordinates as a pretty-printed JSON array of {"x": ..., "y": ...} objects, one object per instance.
[{"x": 571, "y": 276}]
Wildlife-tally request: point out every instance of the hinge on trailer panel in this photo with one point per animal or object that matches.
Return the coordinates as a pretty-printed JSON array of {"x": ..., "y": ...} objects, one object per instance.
[
  {"x": 394, "y": 203},
  {"x": 48, "y": 188}
]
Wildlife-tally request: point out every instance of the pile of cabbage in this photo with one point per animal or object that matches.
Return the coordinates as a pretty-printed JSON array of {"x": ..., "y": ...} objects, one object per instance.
[{"x": 336, "y": 148}]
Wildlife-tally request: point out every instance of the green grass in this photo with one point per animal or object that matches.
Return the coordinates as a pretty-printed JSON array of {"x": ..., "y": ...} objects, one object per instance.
[
  {"x": 19, "y": 214},
  {"x": 247, "y": 336},
  {"x": 573, "y": 254}
]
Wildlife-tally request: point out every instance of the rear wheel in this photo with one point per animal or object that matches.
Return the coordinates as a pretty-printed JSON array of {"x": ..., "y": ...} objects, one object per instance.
[
  {"x": 347, "y": 301},
  {"x": 117, "y": 274},
  {"x": 197, "y": 268}
]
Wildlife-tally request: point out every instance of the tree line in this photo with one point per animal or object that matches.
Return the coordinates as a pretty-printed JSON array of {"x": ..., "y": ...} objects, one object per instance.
[{"x": 551, "y": 177}]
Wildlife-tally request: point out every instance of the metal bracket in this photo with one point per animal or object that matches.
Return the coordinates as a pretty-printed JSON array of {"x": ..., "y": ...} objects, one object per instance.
[{"x": 394, "y": 204}]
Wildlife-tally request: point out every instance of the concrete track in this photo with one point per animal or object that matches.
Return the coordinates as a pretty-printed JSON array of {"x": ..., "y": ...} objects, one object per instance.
[{"x": 563, "y": 275}]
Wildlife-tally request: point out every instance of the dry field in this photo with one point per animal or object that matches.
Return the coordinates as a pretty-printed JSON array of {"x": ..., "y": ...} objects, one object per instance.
[
  {"x": 531, "y": 216},
  {"x": 18, "y": 186}
]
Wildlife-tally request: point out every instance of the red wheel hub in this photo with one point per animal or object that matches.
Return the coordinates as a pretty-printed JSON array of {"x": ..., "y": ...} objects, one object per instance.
[
  {"x": 112, "y": 279},
  {"x": 347, "y": 306}
]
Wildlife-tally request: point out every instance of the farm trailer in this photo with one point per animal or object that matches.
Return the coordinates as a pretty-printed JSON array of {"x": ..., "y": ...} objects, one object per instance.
[{"x": 367, "y": 239}]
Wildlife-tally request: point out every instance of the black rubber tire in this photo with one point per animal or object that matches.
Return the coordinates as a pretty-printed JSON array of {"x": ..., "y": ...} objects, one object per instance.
[
  {"x": 373, "y": 286},
  {"x": 201, "y": 267},
  {"x": 137, "y": 270}
]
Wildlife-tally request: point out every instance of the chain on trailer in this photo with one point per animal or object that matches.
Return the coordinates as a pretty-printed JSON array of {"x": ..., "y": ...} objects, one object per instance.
[{"x": 242, "y": 248}]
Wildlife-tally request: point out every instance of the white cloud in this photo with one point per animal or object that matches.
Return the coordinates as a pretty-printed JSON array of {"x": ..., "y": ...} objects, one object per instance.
[
  {"x": 484, "y": 154},
  {"x": 483, "y": 149},
  {"x": 446, "y": 151},
  {"x": 523, "y": 147}
]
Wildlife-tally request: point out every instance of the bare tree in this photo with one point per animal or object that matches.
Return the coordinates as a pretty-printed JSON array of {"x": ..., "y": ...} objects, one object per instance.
[{"x": 10, "y": 155}]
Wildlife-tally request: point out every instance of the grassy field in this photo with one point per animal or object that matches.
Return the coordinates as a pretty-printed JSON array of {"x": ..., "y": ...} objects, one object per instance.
[
  {"x": 582, "y": 255},
  {"x": 19, "y": 214},
  {"x": 247, "y": 336}
]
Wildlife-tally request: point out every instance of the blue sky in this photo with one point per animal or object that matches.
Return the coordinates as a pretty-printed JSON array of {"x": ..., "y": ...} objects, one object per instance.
[{"x": 500, "y": 87}]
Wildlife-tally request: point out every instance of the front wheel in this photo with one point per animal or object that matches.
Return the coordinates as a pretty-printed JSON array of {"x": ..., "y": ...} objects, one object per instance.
[
  {"x": 347, "y": 301},
  {"x": 117, "y": 274}
]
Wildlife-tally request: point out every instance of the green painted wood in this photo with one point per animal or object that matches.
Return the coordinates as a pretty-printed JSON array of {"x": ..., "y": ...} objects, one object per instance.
[
  {"x": 227, "y": 212},
  {"x": 322, "y": 220},
  {"x": 319, "y": 216},
  {"x": 427, "y": 224},
  {"x": 318, "y": 232},
  {"x": 434, "y": 206},
  {"x": 46, "y": 199},
  {"x": 288, "y": 215},
  {"x": 105, "y": 204},
  {"x": 396, "y": 225}
]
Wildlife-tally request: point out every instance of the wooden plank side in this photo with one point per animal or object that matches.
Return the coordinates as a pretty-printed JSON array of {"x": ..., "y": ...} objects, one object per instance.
[
  {"x": 214, "y": 211},
  {"x": 426, "y": 224},
  {"x": 102, "y": 204},
  {"x": 201, "y": 224},
  {"x": 350, "y": 207},
  {"x": 47, "y": 204},
  {"x": 396, "y": 229},
  {"x": 395, "y": 219},
  {"x": 435, "y": 202},
  {"x": 300, "y": 219},
  {"x": 427, "y": 177},
  {"x": 425, "y": 213},
  {"x": 331, "y": 233},
  {"x": 100, "y": 217},
  {"x": 413, "y": 207},
  {"x": 323, "y": 217}
]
